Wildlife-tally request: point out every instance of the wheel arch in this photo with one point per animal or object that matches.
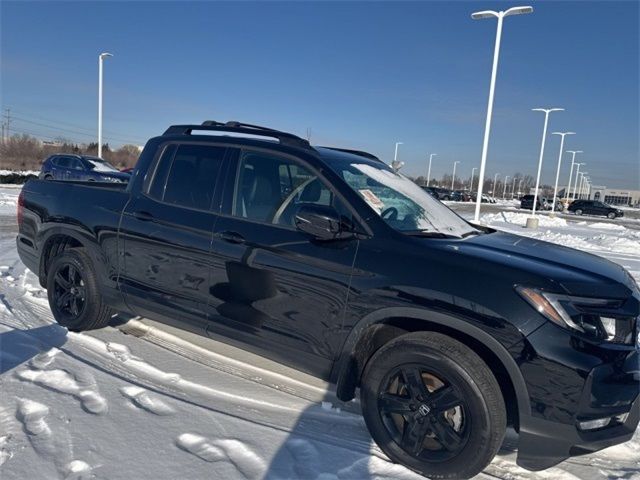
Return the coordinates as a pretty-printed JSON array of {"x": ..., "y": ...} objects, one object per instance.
[
  {"x": 58, "y": 239},
  {"x": 378, "y": 328}
]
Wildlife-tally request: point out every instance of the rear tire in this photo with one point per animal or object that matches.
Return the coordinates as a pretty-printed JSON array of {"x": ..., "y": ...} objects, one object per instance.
[
  {"x": 433, "y": 405},
  {"x": 72, "y": 290},
  {"x": 578, "y": 212},
  {"x": 48, "y": 177}
]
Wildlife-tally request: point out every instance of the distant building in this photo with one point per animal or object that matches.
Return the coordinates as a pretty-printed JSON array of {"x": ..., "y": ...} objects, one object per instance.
[{"x": 611, "y": 196}]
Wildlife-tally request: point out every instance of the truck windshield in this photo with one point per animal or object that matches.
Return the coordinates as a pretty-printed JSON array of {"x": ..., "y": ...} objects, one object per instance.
[{"x": 399, "y": 201}]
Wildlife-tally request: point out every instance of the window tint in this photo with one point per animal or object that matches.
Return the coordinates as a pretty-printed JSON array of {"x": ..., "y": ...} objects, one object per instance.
[
  {"x": 163, "y": 166},
  {"x": 75, "y": 163},
  {"x": 190, "y": 180},
  {"x": 271, "y": 189},
  {"x": 62, "y": 162}
]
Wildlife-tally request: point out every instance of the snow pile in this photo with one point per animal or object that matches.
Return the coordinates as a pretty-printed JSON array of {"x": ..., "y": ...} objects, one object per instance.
[
  {"x": 521, "y": 219},
  {"x": 19, "y": 172},
  {"x": 605, "y": 226}
]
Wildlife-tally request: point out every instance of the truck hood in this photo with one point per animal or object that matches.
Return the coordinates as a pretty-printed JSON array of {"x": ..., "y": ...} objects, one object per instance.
[
  {"x": 125, "y": 177},
  {"x": 573, "y": 271}
]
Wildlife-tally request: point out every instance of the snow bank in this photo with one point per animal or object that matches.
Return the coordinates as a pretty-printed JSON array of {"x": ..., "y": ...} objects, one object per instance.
[
  {"x": 521, "y": 219},
  {"x": 606, "y": 226}
]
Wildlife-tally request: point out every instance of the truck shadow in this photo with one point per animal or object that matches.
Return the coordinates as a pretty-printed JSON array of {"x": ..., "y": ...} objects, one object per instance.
[{"x": 19, "y": 346}]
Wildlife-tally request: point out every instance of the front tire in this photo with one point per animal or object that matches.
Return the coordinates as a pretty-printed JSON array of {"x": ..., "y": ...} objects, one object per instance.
[
  {"x": 578, "y": 212},
  {"x": 72, "y": 290},
  {"x": 611, "y": 215},
  {"x": 433, "y": 405}
]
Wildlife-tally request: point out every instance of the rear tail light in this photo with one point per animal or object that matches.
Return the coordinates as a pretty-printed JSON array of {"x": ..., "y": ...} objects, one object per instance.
[{"x": 20, "y": 212}]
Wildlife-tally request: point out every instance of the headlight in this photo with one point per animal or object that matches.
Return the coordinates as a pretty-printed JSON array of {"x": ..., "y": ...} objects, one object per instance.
[{"x": 599, "y": 319}]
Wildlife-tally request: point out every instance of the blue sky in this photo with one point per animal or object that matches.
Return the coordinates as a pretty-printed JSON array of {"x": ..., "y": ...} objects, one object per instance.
[{"x": 361, "y": 75}]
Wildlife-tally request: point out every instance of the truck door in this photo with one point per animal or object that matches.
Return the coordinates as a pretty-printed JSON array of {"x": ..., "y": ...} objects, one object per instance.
[
  {"x": 167, "y": 233},
  {"x": 273, "y": 286}
]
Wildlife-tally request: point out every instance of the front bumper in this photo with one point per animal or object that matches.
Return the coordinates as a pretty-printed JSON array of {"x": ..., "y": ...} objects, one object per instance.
[
  {"x": 544, "y": 443},
  {"x": 570, "y": 381}
]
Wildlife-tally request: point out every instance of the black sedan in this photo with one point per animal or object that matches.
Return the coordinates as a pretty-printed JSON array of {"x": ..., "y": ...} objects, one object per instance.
[{"x": 594, "y": 207}]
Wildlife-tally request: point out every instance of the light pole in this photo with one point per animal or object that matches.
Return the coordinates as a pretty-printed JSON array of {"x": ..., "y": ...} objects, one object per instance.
[
  {"x": 495, "y": 179},
  {"x": 583, "y": 177},
  {"x": 573, "y": 161},
  {"x": 395, "y": 155},
  {"x": 555, "y": 189},
  {"x": 546, "y": 111},
  {"x": 101, "y": 58},
  {"x": 520, "y": 185},
  {"x": 504, "y": 190},
  {"x": 453, "y": 179},
  {"x": 429, "y": 170},
  {"x": 575, "y": 185},
  {"x": 494, "y": 70},
  {"x": 513, "y": 187},
  {"x": 473, "y": 170}
]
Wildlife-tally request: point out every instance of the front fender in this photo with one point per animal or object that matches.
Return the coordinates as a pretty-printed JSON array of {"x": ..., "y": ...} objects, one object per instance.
[{"x": 342, "y": 373}]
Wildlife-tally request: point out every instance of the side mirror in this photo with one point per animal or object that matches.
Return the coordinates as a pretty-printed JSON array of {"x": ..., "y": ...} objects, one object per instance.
[{"x": 319, "y": 221}]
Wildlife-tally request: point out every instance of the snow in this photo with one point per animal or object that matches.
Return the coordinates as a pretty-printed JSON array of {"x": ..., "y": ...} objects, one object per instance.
[
  {"x": 521, "y": 219},
  {"x": 138, "y": 402},
  {"x": 19, "y": 172},
  {"x": 606, "y": 239}
]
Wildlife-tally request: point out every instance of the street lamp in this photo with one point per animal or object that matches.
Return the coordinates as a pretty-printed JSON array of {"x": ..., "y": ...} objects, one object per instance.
[
  {"x": 101, "y": 58},
  {"x": 546, "y": 111},
  {"x": 513, "y": 187},
  {"x": 573, "y": 159},
  {"x": 453, "y": 179},
  {"x": 555, "y": 189},
  {"x": 520, "y": 186},
  {"x": 496, "y": 54},
  {"x": 504, "y": 190},
  {"x": 495, "y": 179},
  {"x": 575, "y": 185},
  {"x": 429, "y": 170},
  {"x": 395, "y": 155},
  {"x": 583, "y": 177},
  {"x": 473, "y": 170}
]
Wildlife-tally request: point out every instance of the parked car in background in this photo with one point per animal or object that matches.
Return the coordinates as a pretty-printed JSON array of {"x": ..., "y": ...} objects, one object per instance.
[
  {"x": 527, "y": 202},
  {"x": 461, "y": 196},
  {"x": 443, "y": 193},
  {"x": 594, "y": 207},
  {"x": 81, "y": 168},
  {"x": 431, "y": 191}
]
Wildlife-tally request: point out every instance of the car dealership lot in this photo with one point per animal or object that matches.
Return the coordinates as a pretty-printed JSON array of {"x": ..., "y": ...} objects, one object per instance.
[{"x": 132, "y": 402}]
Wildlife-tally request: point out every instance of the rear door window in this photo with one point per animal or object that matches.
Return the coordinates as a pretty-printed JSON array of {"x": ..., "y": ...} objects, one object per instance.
[{"x": 186, "y": 175}]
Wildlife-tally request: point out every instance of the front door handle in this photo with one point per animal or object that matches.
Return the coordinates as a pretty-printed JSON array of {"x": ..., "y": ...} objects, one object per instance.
[
  {"x": 143, "y": 216},
  {"x": 231, "y": 237}
]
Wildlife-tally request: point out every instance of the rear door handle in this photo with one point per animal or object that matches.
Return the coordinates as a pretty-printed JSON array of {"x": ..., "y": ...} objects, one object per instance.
[
  {"x": 231, "y": 237},
  {"x": 143, "y": 216}
]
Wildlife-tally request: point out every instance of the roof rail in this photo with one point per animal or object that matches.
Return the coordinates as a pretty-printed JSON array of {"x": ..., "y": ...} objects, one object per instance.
[
  {"x": 236, "y": 127},
  {"x": 360, "y": 153}
]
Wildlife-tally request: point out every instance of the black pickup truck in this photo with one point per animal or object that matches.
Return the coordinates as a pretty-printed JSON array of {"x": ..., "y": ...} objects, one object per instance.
[{"x": 330, "y": 261}]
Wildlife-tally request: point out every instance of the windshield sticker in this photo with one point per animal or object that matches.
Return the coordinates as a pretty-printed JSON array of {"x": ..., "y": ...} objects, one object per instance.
[{"x": 372, "y": 199}]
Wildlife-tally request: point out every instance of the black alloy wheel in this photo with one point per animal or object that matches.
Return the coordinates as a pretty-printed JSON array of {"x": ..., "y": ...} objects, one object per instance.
[
  {"x": 74, "y": 296},
  {"x": 433, "y": 405},
  {"x": 423, "y": 413},
  {"x": 69, "y": 293}
]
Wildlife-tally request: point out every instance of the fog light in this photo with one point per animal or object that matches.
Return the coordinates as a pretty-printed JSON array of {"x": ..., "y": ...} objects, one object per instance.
[{"x": 593, "y": 424}]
